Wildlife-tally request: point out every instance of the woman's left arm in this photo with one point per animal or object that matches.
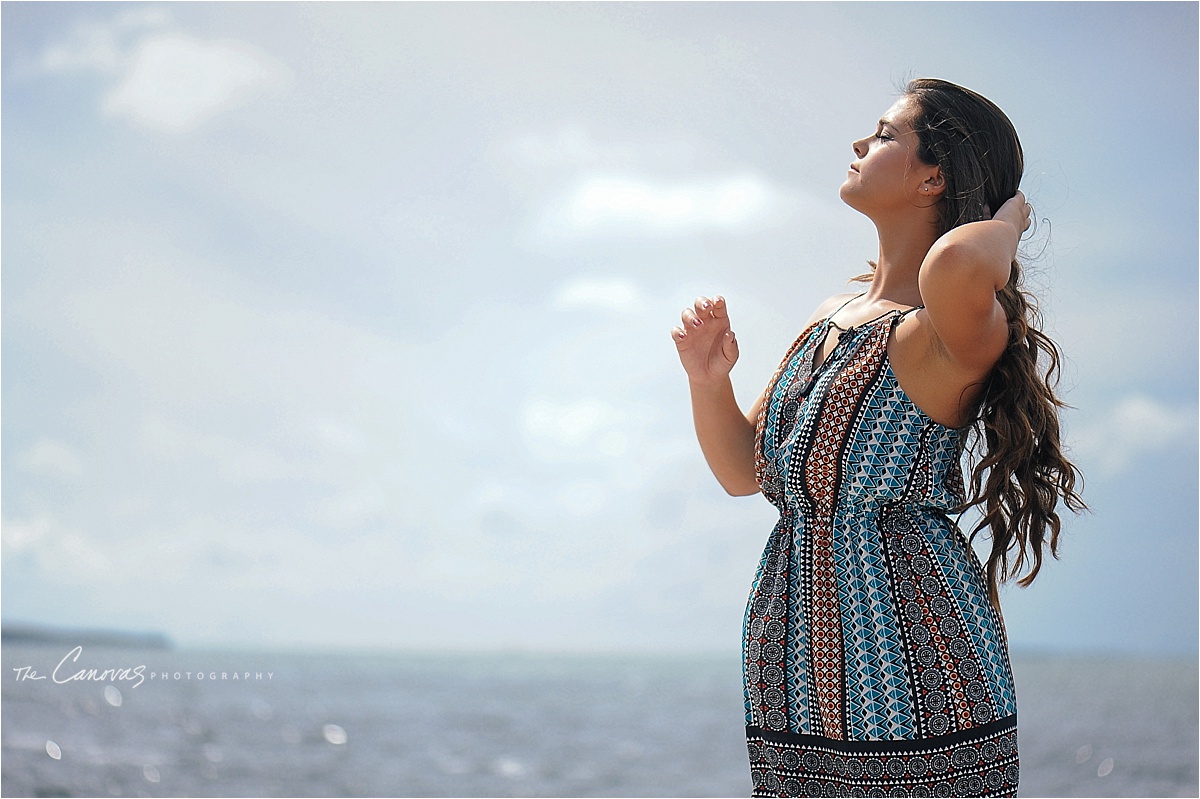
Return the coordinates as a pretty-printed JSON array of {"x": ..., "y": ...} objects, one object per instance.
[{"x": 960, "y": 277}]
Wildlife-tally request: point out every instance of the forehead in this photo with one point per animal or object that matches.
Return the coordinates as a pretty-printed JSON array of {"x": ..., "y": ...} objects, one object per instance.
[{"x": 899, "y": 113}]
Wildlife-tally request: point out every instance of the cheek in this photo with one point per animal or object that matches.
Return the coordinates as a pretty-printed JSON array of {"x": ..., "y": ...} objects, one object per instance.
[{"x": 892, "y": 170}]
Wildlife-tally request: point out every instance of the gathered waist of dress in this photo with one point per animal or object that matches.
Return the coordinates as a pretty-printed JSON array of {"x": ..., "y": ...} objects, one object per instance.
[
  {"x": 870, "y": 504},
  {"x": 945, "y": 503}
]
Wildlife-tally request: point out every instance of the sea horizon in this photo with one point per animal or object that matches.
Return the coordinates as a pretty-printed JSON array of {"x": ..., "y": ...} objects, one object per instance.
[
  {"x": 213, "y": 721},
  {"x": 87, "y": 634}
]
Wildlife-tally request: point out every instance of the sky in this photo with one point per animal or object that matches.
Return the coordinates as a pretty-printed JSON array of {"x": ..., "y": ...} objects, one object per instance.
[{"x": 348, "y": 325}]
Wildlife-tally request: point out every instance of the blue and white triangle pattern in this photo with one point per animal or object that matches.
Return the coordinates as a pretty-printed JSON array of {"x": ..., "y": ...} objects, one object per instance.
[
  {"x": 879, "y": 457},
  {"x": 881, "y": 707}
]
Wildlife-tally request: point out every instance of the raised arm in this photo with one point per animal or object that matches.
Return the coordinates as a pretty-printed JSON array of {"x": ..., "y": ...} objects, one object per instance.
[
  {"x": 959, "y": 279},
  {"x": 708, "y": 350}
]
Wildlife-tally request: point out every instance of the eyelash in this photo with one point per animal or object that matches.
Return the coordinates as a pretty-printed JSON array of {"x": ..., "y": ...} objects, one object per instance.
[{"x": 883, "y": 136}]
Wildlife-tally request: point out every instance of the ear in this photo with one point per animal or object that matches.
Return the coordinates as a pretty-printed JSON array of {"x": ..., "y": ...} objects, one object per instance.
[{"x": 934, "y": 185}]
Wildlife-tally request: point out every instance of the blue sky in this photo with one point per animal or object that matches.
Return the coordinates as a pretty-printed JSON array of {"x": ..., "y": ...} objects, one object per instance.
[{"x": 348, "y": 324}]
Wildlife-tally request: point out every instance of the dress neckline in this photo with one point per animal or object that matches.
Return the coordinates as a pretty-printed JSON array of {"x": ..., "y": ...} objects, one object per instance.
[
  {"x": 845, "y": 334},
  {"x": 828, "y": 320}
]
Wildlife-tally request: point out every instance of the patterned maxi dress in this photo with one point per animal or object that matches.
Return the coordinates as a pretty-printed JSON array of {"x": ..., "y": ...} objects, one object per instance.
[{"x": 874, "y": 664}]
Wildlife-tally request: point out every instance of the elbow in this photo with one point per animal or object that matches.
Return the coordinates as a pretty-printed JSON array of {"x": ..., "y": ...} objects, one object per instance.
[
  {"x": 961, "y": 261},
  {"x": 955, "y": 269},
  {"x": 741, "y": 488},
  {"x": 949, "y": 256}
]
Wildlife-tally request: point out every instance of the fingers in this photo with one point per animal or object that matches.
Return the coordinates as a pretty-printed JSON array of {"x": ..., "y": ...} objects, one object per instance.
[
  {"x": 689, "y": 321},
  {"x": 703, "y": 308},
  {"x": 692, "y": 318},
  {"x": 711, "y": 305},
  {"x": 1026, "y": 209},
  {"x": 729, "y": 346},
  {"x": 1016, "y": 211},
  {"x": 710, "y": 308}
]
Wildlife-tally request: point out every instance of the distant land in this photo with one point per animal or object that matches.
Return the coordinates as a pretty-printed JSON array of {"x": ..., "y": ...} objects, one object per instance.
[{"x": 23, "y": 633}]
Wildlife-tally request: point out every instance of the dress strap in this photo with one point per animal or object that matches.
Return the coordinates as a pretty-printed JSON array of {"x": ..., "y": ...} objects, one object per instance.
[
  {"x": 843, "y": 305},
  {"x": 829, "y": 317}
]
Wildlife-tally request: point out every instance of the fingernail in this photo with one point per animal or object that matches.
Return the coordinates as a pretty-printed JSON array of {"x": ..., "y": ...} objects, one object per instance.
[{"x": 696, "y": 322}]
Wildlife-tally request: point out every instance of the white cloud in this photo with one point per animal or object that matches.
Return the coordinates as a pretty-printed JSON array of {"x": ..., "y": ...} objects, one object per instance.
[
  {"x": 570, "y": 146},
  {"x": 58, "y": 550},
  {"x": 354, "y": 506},
  {"x": 53, "y": 458},
  {"x": 613, "y": 205},
  {"x": 76, "y": 554},
  {"x": 176, "y": 82},
  {"x": 18, "y": 536},
  {"x": 1136, "y": 426},
  {"x": 229, "y": 350},
  {"x": 583, "y": 498},
  {"x": 234, "y": 460},
  {"x": 571, "y": 430},
  {"x": 100, "y": 47},
  {"x": 611, "y": 294},
  {"x": 166, "y": 80}
]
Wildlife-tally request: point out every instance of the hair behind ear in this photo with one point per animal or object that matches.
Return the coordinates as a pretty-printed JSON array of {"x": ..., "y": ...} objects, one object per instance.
[{"x": 1021, "y": 473}]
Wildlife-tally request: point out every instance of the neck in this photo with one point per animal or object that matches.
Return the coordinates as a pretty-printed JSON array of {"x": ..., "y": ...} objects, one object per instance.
[{"x": 902, "y": 250}]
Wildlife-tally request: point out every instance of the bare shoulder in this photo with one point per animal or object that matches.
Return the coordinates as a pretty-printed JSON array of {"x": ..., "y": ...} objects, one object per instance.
[{"x": 830, "y": 305}]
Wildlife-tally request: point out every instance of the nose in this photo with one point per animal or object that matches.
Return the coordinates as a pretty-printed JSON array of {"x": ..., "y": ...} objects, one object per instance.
[{"x": 860, "y": 147}]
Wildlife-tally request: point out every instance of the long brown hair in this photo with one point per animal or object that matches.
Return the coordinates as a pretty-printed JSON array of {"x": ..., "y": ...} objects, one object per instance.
[{"x": 1020, "y": 472}]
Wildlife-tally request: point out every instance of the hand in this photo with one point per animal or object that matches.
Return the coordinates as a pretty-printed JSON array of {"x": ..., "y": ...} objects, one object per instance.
[
  {"x": 707, "y": 346},
  {"x": 1017, "y": 212}
]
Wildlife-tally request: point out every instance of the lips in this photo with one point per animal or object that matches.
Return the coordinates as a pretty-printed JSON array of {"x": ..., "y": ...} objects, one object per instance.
[{"x": 853, "y": 168}]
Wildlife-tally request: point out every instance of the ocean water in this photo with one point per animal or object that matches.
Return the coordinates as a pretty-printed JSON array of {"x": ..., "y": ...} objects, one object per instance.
[{"x": 509, "y": 725}]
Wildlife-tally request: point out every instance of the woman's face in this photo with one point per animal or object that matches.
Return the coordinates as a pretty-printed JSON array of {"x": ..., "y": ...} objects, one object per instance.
[{"x": 886, "y": 173}]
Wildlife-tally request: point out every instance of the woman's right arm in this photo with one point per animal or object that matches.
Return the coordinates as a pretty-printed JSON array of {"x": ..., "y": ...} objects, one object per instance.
[{"x": 708, "y": 350}]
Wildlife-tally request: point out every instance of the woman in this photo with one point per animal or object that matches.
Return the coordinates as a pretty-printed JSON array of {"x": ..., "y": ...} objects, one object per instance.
[{"x": 875, "y": 659}]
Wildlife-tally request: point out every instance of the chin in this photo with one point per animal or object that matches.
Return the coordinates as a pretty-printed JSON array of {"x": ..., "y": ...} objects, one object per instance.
[
  {"x": 846, "y": 192},
  {"x": 850, "y": 198}
]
